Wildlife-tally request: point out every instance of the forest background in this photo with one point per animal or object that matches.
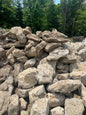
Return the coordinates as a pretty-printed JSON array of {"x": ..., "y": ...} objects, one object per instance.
[{"x": 69, "y": 16}]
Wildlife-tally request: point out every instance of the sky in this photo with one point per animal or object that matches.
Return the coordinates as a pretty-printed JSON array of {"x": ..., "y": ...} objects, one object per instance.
[{"x": 57, "y": 1}]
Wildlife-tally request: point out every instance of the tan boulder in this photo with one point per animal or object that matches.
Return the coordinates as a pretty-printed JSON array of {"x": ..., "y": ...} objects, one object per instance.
[
  {"x": 52, "y": 46},
  {"x": 33, "y": 37},
  {"x": 4, "y": 101},
  {"x": 36, "y": 93},
  {"x": 55, "y": 99},
  {"x": 64, "y": 86},
  {"x": 13, "y": 108},
  {"x": 45, "y": 73},
  {"x": 18, "y": 53},
  {"x": 74, "y": 106},
  {"x": 27, "y": 78},
  {"x": 40, "y": 107},
  {"x": 57, "y": 54},
  {"x": 18, "y": 33}
]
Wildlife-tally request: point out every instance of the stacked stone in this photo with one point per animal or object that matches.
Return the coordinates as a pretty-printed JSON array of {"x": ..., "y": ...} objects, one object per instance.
[{"x": 41, "y": 74}]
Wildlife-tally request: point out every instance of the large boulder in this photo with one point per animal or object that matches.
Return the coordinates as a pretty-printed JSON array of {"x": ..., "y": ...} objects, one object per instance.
[
  {"x": 4, "y": 101},
  {"x": 17, "y": 32},
  {"x": 52, "y": 46},
  {"x": 55, "y": 99},
  {"x": 27, "y": 78},
  {"x": 79, "y": 75},
  {"x": 36, "y": 93},
  {"x": 64, "y": 86},
  {"x": 13, "y": 108},
  {"x": 83, "y": 94},
  {"x": 40, "y": 107},
  {"x": 57, "y": 54},
  {"x": 74, "y": 106},
  {"x": 4, "y": 72},
  {"x": 54, "y": 37},
  {"x": 45, "y": 73}
]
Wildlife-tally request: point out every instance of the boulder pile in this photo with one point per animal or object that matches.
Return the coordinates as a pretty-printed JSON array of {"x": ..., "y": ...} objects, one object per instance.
[{"x": 41, "y": 74}]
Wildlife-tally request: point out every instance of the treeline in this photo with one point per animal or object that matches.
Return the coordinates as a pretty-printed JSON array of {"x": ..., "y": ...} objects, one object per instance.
[{"x": 68, "y": 17}]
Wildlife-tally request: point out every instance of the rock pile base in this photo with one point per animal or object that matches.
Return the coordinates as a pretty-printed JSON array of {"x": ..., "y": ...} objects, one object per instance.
[{"x": 41, "y": 74}]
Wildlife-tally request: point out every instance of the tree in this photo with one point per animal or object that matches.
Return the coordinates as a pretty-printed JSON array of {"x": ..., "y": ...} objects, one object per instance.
[
  {"x": 80, "y": 27},
  {"x": 18, "y": 13},
  {"x": 7, "y": 13},
  {"x": 69, "y": 9}
]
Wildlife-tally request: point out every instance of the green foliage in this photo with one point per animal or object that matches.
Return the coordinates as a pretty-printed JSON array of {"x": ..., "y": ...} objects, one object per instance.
[{"x": 68, "y": 17}]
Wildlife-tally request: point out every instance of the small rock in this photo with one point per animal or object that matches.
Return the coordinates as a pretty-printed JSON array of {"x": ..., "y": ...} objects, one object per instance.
[
  {"x": 4, "y": 72},
  {"x": 61, "y": 76},
  {"x": 82, "y": 53},
  {"x": 23, "y": 104},
  {"x": 30, "y": 63},
  {"x": 22, "y": 93},
  {"x": 62, "y": 68},
  {"x": 52, "y": 46},
  {"x": 10, "y": 59},
  {"x": 2, "y": 52},
  {"x": 22, "y": 59},
  {"x": 24, "y": 112},
  {"x": 33, "y": 37},
  {"x": 10, "y": 51},
  {"x": 18, "y": 53},
  {"x": 57, "y": 111},
  {"x": 17, "y": 69}
]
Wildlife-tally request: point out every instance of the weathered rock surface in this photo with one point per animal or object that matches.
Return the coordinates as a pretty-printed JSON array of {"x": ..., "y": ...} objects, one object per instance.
[
  {"x": 55, "y": 99},
  {"x": 13, "y": 108},
  {"x": 24, "y": 112},
  {"x": 74, "y": 106},
  {"x": 30, "y": 63},
  {"x": 57, "y": 54},
  {"x": 45, "y": 73},
  {"x": 64, "y": 86},
  {"x": 36, "y": 93},
  {"x": 4, "y": 101},
  {"x": 83, "y": 94},
  {"x": 27, "y": 78},
  {"x": 40, "y": 107},
  {"x": 57, "y": 111},
  {"x": 23, "y": 104}
]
